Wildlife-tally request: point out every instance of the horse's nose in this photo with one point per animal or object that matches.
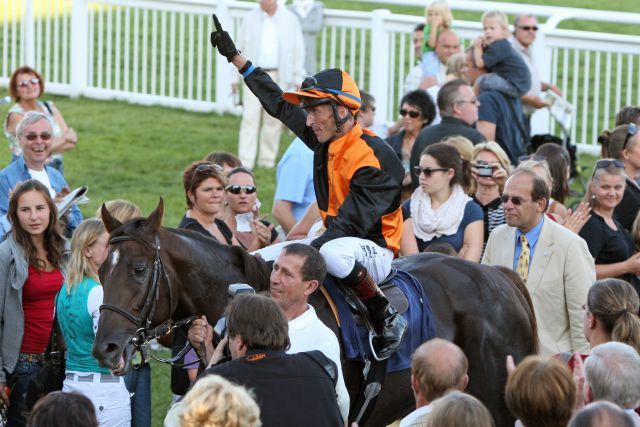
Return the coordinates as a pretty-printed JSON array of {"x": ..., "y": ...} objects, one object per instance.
[{"x": 107, "y": 353}]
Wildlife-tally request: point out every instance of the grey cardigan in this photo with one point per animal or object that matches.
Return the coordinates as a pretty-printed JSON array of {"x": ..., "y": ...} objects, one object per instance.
[{"x": 13, "y": 273}]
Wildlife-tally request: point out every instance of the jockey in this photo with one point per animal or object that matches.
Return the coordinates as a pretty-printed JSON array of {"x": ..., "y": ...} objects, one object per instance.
[{"x": 357, "y": 179}]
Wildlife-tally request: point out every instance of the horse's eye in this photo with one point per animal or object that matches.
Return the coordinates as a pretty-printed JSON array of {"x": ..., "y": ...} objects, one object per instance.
[{"x": 139, "y": 270}]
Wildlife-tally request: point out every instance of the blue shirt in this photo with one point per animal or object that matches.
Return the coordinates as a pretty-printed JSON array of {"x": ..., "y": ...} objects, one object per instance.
[
  {"x": 294, "y": 178},
  {"x": 18, "y": 172},
  {"x": 532, "y": 237},
  {"x": 494, "y": 108}
]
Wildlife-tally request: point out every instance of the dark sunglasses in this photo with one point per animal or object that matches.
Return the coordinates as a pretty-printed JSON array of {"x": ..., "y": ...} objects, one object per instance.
[
  {"x": 45, "y": 136},
  {"x": 237, "y": 189},
  {"x": 517, "y": 201},
  {"x": 528, "y": 27},
  {"x": 34, "y": 81},
  {"x": 632, "y": 129},
  {"x": 427, "y": 171},
  {"x": 605, "y": 163},
  {"x": 412, "y": 114},
  {"x": 205, "y": 167},
  {"x": 536, "y": 157}
]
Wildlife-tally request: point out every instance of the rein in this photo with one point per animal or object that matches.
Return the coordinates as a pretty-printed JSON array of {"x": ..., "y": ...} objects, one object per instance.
[{"x": 144, "y": 332}]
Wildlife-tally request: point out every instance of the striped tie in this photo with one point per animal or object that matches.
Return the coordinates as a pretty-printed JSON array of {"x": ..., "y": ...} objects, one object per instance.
[{"x": 523, "y": 260}]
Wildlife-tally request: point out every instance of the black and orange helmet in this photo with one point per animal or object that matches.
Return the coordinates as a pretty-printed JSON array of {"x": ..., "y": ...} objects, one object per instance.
[{"x": 332, "y": 84}]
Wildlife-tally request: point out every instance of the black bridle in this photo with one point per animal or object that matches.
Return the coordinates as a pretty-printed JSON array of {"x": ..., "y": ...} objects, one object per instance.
[{"x": 144, "y": 332}]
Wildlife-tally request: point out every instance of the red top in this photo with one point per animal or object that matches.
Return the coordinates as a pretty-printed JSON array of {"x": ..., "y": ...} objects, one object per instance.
[{"x": 38, "y": 296}]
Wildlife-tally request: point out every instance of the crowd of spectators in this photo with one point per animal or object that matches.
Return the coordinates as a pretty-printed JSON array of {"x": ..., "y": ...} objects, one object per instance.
[{"x": 471, "y": 182}]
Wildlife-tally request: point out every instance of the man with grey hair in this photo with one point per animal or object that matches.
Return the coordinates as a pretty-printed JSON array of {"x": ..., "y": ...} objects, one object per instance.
[
  {"x": 553, "y": 262},
  {"x": 525, "y": 28},
  {"x": 601, "y": 414},
  {"x": 35, "y": 135},
  {"x": 437, "y": 367},
  {"x": 612, "y": 373},
  {"x": 458, "y": 107}
]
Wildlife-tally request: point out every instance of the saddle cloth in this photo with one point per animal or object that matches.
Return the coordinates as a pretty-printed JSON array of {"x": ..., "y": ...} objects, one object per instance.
[{"x": 418, "y": 314}]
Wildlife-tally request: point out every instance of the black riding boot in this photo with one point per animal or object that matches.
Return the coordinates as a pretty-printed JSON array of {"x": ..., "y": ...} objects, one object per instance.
[{"x": 390, "y": 326}]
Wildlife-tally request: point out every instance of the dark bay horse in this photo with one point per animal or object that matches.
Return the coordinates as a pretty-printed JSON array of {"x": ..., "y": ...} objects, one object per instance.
[{"x": 154, "y": 273}]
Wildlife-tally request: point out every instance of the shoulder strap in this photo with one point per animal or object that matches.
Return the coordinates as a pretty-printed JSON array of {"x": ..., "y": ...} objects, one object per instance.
[
  {"x": 325, "y": 363},
  {"x": 48, "y": 106}
]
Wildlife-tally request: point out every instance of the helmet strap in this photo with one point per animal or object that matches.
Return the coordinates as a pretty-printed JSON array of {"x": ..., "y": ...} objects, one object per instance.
[{"x": 336, "y": 117}]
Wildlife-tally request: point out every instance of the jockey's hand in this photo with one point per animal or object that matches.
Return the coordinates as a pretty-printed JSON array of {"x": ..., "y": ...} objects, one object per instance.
[
  {"x": 222, "y": 41},
  {"x": 200, "y": 331}
]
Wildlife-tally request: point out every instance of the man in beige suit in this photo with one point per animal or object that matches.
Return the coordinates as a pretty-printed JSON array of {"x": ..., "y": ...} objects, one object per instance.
[{"x": 554, "y": 262}]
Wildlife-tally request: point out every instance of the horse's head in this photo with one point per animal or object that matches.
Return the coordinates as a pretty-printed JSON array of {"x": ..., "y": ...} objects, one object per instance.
[{"x": 133, "y": 278}]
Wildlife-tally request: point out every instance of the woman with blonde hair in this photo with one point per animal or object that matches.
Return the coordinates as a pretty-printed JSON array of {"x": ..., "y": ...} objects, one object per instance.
[
  {"x": 458, "y": 409},
  {"x": 465, "y": 148},
  {"x": 490, "y": 168},
  {"x": 78, "y": 312},
  {"x": 623, "y": 143},
  {"x": 541, "y": 392},
  {"x": 216, "y": 402},
  {"x": 120, "y": 209},
  {"x": 610, "y": 245}
]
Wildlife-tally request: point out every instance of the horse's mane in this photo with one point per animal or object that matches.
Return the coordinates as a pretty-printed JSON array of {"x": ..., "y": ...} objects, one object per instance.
[{"x": 522, "y": 288}]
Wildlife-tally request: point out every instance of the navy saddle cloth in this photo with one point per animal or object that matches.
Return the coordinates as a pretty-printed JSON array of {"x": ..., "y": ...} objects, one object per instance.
[{"x": 418, "y": 314}]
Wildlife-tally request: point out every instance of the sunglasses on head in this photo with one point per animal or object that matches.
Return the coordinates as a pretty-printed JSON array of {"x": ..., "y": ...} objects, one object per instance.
[
  {"x": 605, "y": 163},
  {"x": 632, "y": 129},
  {"x": 45, "y": 136},
  {"x": 535, "y": 157},
  {"x": 237, "y": 189},
  {"x": 427, "y": 171},
  {"x": 528, "y": 27},
  {"x": 517, "y": 201},
  {"x": 412, "y": 114},
  {"x": 206, "y": 167},
  {"x": 34, "y": 81}
]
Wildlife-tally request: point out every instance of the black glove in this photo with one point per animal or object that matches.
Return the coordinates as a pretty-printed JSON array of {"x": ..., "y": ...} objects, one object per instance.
[{"x": 222, "y": 41}]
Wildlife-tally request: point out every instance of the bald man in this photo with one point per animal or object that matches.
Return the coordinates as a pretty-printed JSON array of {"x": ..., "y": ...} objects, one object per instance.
[{"x": 437, "y": 366}]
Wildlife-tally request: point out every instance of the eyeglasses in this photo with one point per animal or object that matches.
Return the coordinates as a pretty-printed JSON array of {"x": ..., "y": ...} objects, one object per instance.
[
  {"x": 632, "y": 129},
  {"x": 517, "y": 201},
  {"x": 535, "y": 157},
  {"x": 237, "y": 189},
  {"x": 45, "y": 136},
  {"x": 473, "y": 100},
  {"x": 528, "y": 27},
  {"x": 33, "y": 81},
  {"x": 412, "y": 114},
  {"x": 427, "y": 171},
  {"x": 605, "y": 163}
]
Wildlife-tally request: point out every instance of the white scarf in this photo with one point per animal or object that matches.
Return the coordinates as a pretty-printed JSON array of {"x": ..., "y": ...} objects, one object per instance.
[{"x": 428, "y": 223}]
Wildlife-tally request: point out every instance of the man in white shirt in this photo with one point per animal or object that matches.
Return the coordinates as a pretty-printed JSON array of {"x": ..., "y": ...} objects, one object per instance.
[
  {"x": 297, "y": 273},
  {"x": 271, "y": 34},
  {"x": 437, "y": 366}
]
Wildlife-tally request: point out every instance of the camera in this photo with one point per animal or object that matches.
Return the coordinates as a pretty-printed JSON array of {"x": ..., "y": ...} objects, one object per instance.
[
  {"x": 220, "y": 330},
  {"x": 484, "y": 168}
]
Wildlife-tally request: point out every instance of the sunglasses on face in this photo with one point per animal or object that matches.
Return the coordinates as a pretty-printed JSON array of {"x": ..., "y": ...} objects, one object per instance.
[
  {"x": 517, "y": 201},
  {"x": 529, "y": 27},
  {"x": 632, "y": 130},
  {"x": 237, "y": 189},
  {"x": 412, "y": 114},
  {"x": 33, "y": 81},
  {"x": 45, "y": 136},
  {"x": 427, "y": 171}
]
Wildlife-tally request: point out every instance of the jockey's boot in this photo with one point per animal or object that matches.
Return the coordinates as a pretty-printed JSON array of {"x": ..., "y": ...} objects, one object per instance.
[{"x": 389, "y": 325}]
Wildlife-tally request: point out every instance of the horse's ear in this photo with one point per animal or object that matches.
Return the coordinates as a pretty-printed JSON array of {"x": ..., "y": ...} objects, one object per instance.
[
  {"x": 110, "y": 223},
  {"x": 154, "y": 221}
]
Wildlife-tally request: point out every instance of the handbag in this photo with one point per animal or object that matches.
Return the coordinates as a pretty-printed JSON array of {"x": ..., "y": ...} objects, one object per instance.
[{"x": 52, "y": 373}]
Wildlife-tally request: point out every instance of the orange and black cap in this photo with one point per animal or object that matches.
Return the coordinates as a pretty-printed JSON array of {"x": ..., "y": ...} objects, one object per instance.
[{"x": 332, "y": 84}]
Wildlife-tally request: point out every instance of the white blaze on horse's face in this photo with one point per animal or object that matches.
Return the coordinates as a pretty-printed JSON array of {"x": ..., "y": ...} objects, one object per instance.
[{"x": 115, "y": 257}]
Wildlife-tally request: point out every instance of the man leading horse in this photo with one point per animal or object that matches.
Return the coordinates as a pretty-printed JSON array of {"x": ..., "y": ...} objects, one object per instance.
[{"x": 357, "y": 178}]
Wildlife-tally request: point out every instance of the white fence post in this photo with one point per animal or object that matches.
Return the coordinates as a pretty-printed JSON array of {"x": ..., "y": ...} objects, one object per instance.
[
  {"x": 79, "y": 46},
  {"x": 224, "y": 100},
  {"x": 379, "y": 63},
  {"x": 29, "y": 34}
]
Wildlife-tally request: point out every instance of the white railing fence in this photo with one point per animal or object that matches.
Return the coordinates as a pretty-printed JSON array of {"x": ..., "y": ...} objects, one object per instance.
[{"x": 157, "y": 52}]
